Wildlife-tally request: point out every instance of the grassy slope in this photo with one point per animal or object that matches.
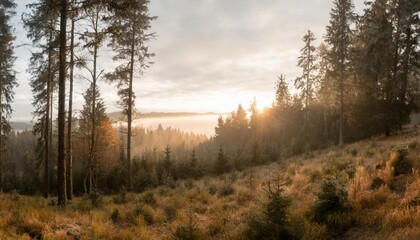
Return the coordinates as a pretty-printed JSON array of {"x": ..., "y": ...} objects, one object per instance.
[{"x": 218, "y": 207}]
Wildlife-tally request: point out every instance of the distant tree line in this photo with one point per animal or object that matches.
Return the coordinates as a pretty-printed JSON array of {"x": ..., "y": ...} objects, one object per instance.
[{"x": 161, "y": 156}]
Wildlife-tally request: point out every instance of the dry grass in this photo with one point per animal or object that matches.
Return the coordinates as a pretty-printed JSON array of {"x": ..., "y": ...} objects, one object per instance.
[{"x": 218, "y": 208}]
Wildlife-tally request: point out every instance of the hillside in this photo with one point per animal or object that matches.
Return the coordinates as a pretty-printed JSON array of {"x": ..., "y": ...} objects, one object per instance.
[{"x": 364, "y": 190}]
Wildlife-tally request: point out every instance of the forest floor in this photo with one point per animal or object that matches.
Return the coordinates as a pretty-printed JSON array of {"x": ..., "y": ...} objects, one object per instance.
[{"x": 384, "y": 205}]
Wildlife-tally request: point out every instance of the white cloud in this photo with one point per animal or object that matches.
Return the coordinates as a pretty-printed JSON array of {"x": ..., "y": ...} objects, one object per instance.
[{"x": 210, "y": 54}]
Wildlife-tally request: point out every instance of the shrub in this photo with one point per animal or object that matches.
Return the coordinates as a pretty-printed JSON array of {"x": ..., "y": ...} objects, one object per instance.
[
  {"x": 314, "y": 175},
  {"x": 212, "y": 189},
  {"x": 33, "y": 229},
  {"x": 149, "y": 198},
  {"x": 244, "y": 196},
  {"x": 276, "y": 204},
  {"x": 150, "y": 215},
  {"x": 120, "y": 198},
  {"x": 414, "y": 145},
  {"x": 377, "y": 182},
  {"x": 340, "y": 221},
  {"x": 272, "y": 222},
  {"x": 170, "y": 211},
  {"x": 115, "y": 216},
  {"x": 185, "y": 233},
  {"x": 350, "y": 170},
  {"x": 84, "y": 205},
  {"x": 369, "y": 153},
  {"x": 189, "y": 184},
  {"x": 226, "y": 189},
  {"x": 331, "y": 200},
  {"x": 233, "y": 176},
  {"x": 399, "y": 160},
  {"x": 95, "y": 198},
  {"x": 353, "y": 152},
  {"x": 188, "y": 231},
  {"x": 313, "y": 231}
]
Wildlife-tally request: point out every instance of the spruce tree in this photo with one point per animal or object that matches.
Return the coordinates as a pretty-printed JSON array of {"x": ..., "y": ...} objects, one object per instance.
[
  {"x": 306, "y": 82},
  {"x": 193, "y": 164},
  {"x": 40, "y": 24},
  {"x": 93, "y": 38},
  {"x": 221, "y": 163},
  {"x": 307, "y": 62},
  {"x": 282, "y": 98},
  {"x": 86, "y": 126},
  {"x": 129, "y": 26},
  {"x": 7, "y": 75},
  {"x": 373, "y": 63},
  {"x": 339, "y": 37},
  {"x": 168, "y": 160}
]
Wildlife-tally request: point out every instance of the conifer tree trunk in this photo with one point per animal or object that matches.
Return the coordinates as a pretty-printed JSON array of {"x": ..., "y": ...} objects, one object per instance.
[
  {"x": 70, "y": 113},
  {"x": 130, "y": 108},
  {"x": 47, "y": 138},
  {"x": 92, "y": 139},
  {"x": 308, "y": 65},
  {"x": 61, "y": 161},
  {"x": 341, "y": 113},
  {"x": 1, "y": 131}
]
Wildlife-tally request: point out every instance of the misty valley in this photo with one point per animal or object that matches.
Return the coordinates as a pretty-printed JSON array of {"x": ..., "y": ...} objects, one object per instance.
[{"x": 190, "y": 120}]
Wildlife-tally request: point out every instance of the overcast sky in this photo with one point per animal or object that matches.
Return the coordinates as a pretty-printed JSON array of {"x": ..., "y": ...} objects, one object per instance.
[{"x": 211, "y": 55}]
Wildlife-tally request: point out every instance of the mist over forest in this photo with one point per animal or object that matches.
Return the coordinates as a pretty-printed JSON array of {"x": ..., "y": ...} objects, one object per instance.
[{"x": 331, "y": 151}]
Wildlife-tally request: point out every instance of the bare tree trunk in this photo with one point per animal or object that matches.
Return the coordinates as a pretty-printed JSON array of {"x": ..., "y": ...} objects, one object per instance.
[
  {"x": 47, "y": 138},
  {"x": 341, "y": 93},
  {"x": 308, "y": 46},
  {"x": 85, "y": 176},
  {"x": 93, "y": 120},
  {"x": 1, "y": 131},
  {"x": 130, "y": 110},
  {"x": 70, "y": 114},
  {"x": 61, "y": 161}
]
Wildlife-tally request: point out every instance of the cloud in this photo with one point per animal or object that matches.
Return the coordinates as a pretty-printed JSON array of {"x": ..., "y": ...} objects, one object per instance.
[{"x": 213, "y": 54}]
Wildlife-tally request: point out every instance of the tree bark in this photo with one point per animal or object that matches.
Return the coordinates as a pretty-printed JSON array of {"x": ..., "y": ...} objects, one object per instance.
[
  {"x": 1, "y": 130},
  {"x": 341, "y": 96},
  {"x": 47, "y": 138},
  {"x": 70, "y": 113},
  {"x": 130, "y": 108},
  {"x": 61, "y": 161},
  {"x": 93, "y": 120}
]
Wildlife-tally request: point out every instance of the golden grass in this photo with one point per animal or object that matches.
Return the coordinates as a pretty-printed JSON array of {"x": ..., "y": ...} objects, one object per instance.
[{"x": 218, "y": 207}]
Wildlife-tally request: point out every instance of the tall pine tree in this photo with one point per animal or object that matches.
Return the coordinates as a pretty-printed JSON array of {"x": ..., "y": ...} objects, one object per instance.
[
  {"x": 306, "y": 82},
  {"x": 7, "y": 75},
  {"x": 61, "y": 156},
  {"x": 94, "y": 38},
  {"x": 339, "y": 37},
  {"x": 129, "y": 28},
  {"x": 40, "y": 24}
]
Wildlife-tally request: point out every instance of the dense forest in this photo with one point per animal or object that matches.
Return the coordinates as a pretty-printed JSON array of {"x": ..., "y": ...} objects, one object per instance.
[{"x": 361, "y": 81}]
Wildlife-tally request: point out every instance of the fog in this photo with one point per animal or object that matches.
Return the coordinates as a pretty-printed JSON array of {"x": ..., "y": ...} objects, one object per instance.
[{"x": 200, "y": 124}]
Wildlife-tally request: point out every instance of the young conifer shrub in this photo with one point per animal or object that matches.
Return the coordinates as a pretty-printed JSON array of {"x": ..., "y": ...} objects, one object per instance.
[
  {"x": 332, "y": 204},
  {"x": 272, "y": 221}
]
